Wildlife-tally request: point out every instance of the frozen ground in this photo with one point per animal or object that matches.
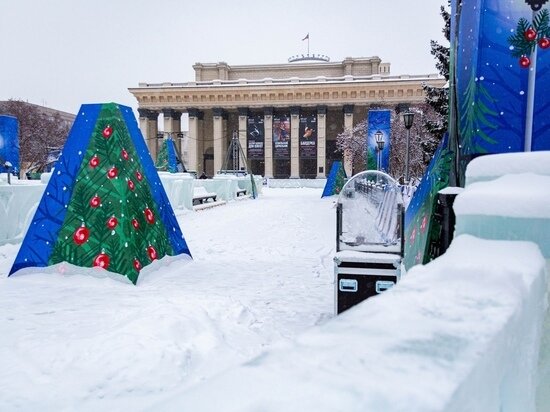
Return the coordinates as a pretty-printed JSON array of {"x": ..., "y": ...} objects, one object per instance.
[{"x": 262, "y": 272}]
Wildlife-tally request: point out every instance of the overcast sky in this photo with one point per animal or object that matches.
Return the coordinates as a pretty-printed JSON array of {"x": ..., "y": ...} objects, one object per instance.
[{"x": 63, "y": 53}]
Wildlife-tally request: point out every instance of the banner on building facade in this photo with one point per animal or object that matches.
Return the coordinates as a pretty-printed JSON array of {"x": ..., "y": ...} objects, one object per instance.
[
  {"x": 281, "y": 137},
  {"x": 308, "y": 137},
  {"x": 255, "y": 137},
  {"x": 378, "y": 126},
  {"x": 9, "y": 144},
  {"x": 498, "y": 44}
]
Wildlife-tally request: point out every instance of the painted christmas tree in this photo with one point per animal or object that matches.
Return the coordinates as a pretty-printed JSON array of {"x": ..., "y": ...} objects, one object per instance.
[
  {"x": 167, "y": 158},
  {"x": 335, "y": 181},
  {"x": 104, "y": 205},
  {"x": 421, "y": 229}
]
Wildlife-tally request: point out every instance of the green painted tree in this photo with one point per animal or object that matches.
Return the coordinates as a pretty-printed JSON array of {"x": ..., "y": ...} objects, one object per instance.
[{"x": 112, "y": 221}]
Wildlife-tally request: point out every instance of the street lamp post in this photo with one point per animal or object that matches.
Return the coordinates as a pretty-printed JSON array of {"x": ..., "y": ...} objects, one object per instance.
[
  {"x": 379, "y": 139},
  {"x": 8, "y": 167},
  {"x": 408, "y": 119}
]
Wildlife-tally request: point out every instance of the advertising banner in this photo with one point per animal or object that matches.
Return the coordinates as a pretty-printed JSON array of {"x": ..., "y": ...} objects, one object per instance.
[
  {"x": 281, "y": 137},
  {"x": 378, "y": 124},
  {"x": 502, "y": 76},
  {"x": 255, "y": 137},
  {"x": 308, "y": 137},
  {"x": 9, "y": 143}
]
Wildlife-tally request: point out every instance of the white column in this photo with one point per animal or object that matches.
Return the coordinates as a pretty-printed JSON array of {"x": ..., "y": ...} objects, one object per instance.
[
  {"x": 219, "y": 140},
  {"x": 192, "y": 143},
  {"x": 294, "y": 143},
  {"x": 268, "y": 145},
  {"x": 321, "y": 141},
  {"x": 148, "y": 121},
  {"x": 348, "y": 124}
]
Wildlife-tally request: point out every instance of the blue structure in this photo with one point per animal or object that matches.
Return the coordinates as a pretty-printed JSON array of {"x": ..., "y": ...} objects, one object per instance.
[
  {"x": 9, "y": 144},
  {"x": 493, "y": 82}
]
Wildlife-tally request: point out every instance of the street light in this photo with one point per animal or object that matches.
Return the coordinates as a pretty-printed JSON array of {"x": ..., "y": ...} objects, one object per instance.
[
  {"x": 408, "y": 119},
  {"x": 379, "y": 139}
]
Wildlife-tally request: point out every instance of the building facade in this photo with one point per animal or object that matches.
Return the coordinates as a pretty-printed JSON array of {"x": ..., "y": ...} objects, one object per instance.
[{"x": 286, "y": 116}]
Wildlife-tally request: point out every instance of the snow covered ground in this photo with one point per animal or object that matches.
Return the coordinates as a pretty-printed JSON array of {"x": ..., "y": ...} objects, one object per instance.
[{"x": 262, "y": 272}]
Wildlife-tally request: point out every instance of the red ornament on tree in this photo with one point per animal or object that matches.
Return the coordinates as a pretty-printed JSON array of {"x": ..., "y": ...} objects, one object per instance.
[
  {"x": 530, "y": 34},
  {"x": 131, "y": 184},
  {"x": 124, "y": 154},
  {"x": 137, "y": 265},
  {"x": 544, "y": 43},
  {"x": 94, "y": 161},
  {"x": 81, "y": 235},
  {"x": 152, "y": 252},
  {"x": 149, "y": 216},
  {"x": 139, "y": 176},
  {"x": 112, "y": 222},
  {"x": 135, "y": 224},
  {"x": 95, "y": 201},
  {"x": 107, "y": 132},
  {"x": 112, "y": 173},
  {"x": 102, "y": 260},
  {"x": 524, "y": 62}
]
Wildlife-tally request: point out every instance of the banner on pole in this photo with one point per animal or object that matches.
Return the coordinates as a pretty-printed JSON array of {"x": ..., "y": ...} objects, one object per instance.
[
  {"x": 378, "y": 124},
  {"x": 281, "y": 137},
  {"x": 255, "y": 137},
  {"x": 308, "y": 137},
  {"x": 9, "y": 144}
]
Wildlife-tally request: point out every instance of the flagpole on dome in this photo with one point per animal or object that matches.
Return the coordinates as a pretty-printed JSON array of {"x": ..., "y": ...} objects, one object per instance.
[
  {"x": 308, "y": 56},
  {"x": 307, "y": 38}
]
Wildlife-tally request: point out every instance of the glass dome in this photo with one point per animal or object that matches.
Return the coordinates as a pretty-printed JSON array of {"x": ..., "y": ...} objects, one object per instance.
[{"x": 371, "y": 210}]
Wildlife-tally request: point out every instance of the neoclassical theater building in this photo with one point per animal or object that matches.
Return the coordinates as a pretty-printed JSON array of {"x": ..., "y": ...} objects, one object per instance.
[{"x": 286, "y": 116}]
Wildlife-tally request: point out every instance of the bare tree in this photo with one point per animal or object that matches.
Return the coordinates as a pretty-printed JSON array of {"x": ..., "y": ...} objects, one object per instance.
[
  {"x": 353, "y": 142},
  {"x": 38, "y": 132}
]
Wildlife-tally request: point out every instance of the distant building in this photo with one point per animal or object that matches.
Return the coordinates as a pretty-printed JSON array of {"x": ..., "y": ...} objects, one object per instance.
[{"x": 287, "y": 116}]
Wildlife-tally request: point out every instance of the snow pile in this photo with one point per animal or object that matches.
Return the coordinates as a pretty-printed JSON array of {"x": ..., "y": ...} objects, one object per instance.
[
  {"x": 262, "y": 272},
  {"x": 492, "y": 166},
  {"x": 524, "y": 195},
  {"x": 459, "y": 334},
  {"x": 513, "y": 207}
]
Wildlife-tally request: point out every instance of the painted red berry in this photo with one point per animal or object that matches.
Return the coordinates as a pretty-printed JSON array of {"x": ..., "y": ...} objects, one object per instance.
[
  {"x": 124, "y": 154},
  {"x": 135, "y": 224},
  {"x": 107, "y": 132},
  {"x": 544, "y": 43},
  {"x": 95, "y": 201},
  {"x": 81, "y": 235},
  {"x": 530, "y": 34},
  {"x": 524, "y": 62},
  {"x": 137, "y": 265},
  {"x": 94, "y": 161},
  {"x": 152, "y": 252},
  {"x": 112, "y": 222},
  {"x": 149, "y": 216},
  {"x": 102, "y": 260},
  {"x": 131, "y": 184},
  {"x": 139, "y": 176},
  {"x": 112, "y": 173}
]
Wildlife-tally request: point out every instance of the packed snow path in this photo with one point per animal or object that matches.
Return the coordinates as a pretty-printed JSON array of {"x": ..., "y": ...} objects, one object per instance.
[{"x": 262, "y": 273}]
